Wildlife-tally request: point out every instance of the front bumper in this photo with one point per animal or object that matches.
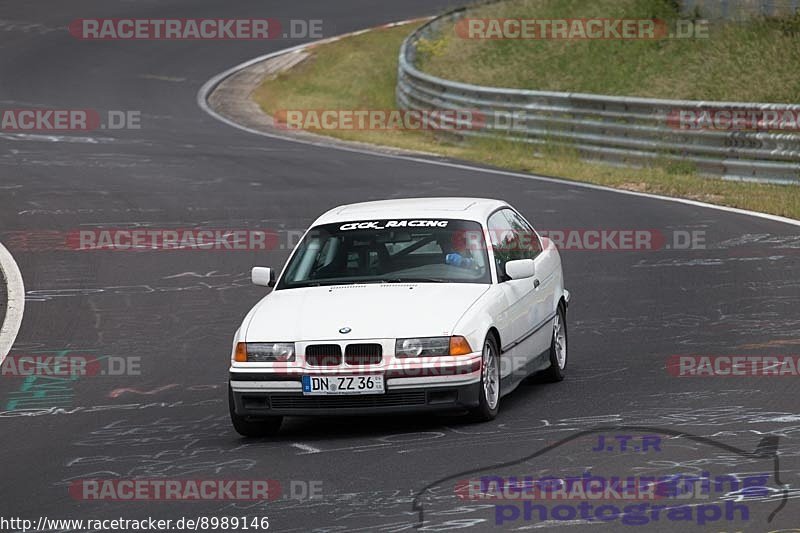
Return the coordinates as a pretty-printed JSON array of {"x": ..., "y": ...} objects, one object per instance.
[{"x": 260, "y": 392}]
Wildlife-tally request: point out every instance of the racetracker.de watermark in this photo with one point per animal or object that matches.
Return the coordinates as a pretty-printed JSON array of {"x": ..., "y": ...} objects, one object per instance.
[
  {"x": 69, "y": 365},
  {"x": 144, "y": 239},
  {"x": 66, "y": 120},
  {"x": 172, "y": 239},
  {"x": 589, "y": 487},
  {"x": 580, "y": 29},
  {"x": 175, "y": 489},
  {"x": 180, "y": 29},
  {"x": 194, "y": 489},
  {"x": 379, "y": 119},
  {"x": 152, "y": 239},
  {"x": 711, "y": 366},
  {"x": 589, "y": 239},
  {"x": 735, "y": 119}
]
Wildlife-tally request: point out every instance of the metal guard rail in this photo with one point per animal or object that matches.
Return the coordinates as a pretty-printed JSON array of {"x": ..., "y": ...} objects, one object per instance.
[{"x": 617, "y": 129}]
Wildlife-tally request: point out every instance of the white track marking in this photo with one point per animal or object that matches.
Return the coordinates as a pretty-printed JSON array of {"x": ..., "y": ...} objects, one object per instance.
[
  {"x": 208, "y": 87},
  {"x": 15, "y": 306},
  {"x": 306, "y": 448}
]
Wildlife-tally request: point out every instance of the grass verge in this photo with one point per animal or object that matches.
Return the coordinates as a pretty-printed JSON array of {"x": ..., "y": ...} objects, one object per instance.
[
  {"x": 361, "y": 72},
  {"x": 753, "y": 61}
]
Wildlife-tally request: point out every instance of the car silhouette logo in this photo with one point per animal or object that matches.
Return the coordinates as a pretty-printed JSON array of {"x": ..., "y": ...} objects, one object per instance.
[{"x": 345, "y": 330}]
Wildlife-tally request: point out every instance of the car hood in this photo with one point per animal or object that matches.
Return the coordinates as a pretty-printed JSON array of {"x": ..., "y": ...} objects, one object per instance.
[{"x": 370, "y": 311}]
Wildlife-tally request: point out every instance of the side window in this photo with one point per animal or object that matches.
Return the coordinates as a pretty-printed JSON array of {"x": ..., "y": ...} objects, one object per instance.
[
  {"x": 504, "y": 240},
  {"x": 528, "y": 242}
]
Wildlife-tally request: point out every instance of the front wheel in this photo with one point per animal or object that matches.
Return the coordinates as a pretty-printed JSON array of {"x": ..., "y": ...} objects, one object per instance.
[
  {"x": 490, "y": 382},
  {"x": 253, "y": 427},
  {"x": 558, "y": 348}
]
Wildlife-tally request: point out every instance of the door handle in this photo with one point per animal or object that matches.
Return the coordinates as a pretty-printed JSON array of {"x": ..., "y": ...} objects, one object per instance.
[{"x": 535, "y": 283}]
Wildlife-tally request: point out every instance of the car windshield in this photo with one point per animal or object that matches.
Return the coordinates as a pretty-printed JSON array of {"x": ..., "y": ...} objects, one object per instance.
[{"x": 389, "y": 251}]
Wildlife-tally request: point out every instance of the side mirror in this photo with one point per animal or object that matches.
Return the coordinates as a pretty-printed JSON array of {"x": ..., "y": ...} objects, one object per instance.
[
  {"x": 521, "y": 269},
  {"x": 263, "y": 276}
]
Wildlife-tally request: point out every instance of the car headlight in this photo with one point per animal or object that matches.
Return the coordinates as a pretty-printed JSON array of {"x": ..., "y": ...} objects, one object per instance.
[
  {"x": 264, "y": 352},
  {"x": 431, "y": 347}
]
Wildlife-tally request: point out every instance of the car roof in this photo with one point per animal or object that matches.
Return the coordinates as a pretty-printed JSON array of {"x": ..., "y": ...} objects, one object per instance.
[{"x": 477, "y": 209}]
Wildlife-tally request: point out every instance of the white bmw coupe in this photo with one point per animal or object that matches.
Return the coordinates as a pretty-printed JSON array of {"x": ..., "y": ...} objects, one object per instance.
[{"x": 405, "y": 305}]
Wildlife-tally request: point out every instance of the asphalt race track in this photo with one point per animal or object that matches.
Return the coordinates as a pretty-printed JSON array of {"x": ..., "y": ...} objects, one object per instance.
[{"x": 174, "y": 312}]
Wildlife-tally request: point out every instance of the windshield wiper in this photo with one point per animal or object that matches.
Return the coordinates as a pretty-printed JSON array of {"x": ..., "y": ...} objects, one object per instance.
[
  {"x": 321, "y": 283},
  {"x": 318, "y": 283},
  {"x": 414, "y": 280}
]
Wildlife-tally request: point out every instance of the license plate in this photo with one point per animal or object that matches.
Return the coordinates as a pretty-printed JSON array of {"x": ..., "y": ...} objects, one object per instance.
[{"x": 323, "y": 385}]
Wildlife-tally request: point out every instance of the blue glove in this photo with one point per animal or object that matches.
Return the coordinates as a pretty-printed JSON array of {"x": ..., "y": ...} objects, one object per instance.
[{"x": 456, "y": 259}]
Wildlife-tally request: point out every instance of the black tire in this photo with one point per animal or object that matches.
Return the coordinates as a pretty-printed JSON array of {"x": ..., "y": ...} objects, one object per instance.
[
  {"x": 484, "y": 411},
  {"x": 266, "y": 426},
  {"x": 556, "y": 372}
]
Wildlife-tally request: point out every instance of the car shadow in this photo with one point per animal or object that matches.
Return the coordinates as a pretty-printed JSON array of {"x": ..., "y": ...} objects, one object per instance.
[{"x": 332, "y": 427}]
